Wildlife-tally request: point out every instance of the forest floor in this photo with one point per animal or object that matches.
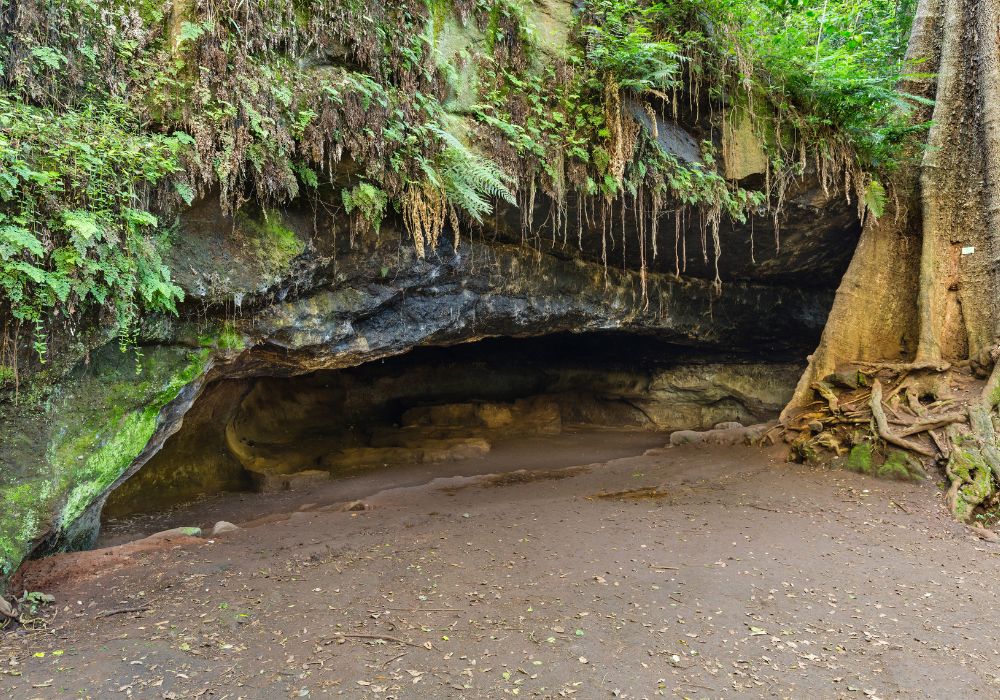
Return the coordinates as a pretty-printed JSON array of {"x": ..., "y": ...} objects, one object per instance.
[{"x": 688, "y": 572}]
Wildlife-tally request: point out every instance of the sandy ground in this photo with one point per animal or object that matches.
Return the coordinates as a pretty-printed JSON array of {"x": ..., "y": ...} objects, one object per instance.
[{"x": 722, "y": 572}]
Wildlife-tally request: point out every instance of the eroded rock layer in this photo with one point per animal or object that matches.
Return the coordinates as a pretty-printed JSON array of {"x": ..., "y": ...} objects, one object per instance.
[
  {"x": 330, "y": 307},
  {"x": 441, "y": 404}
]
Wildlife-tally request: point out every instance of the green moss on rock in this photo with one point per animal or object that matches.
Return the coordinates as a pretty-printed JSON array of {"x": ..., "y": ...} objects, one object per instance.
[
  {"x": 227, "y": 338},
  {"x": 860, "y": 458},
  {"x": 85, "y": 439},
  {"x": 969, "y": 467},
  {"x": 896, "y": 467}
]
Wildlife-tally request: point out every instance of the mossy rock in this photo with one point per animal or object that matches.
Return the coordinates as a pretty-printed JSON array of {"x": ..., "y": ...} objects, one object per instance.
[
  {"x": 969, "y": 466},
  {"x": 92, "y": 429},
  {"x": 861, "y": 458},
  {"x": 222, "y": 258},
  {"x": 896, "y": 467}
]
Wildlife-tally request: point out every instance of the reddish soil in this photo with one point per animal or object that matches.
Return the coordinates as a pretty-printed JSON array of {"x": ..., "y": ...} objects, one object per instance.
[{"x": 695, "y": 572}]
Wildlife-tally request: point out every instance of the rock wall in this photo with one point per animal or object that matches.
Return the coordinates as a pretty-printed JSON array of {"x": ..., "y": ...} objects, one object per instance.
[
  {"x": 446, "y": 403},
  {"x": 280, "y": 293},
  {"x": 332, "y": 307}
]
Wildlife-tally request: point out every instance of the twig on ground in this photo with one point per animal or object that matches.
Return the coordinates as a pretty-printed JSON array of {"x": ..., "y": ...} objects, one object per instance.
[
  {"x": 383, "y": 637},
  {"x": 121, "y": 611},
  {"x": 395, "y": 659}
]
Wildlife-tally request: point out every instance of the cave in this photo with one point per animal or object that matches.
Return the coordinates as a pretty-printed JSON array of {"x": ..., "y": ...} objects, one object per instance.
[{"x": 497, "y": 404}]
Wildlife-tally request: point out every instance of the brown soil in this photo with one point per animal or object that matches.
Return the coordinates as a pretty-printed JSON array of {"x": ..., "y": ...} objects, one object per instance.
[{"x": 745, "y": 577}]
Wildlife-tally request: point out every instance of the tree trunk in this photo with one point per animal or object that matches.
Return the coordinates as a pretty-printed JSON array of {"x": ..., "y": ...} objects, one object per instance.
[{"x": 921, "y": 293}]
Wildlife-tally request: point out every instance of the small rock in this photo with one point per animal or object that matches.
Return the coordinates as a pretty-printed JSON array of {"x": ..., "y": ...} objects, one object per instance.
[
  {"x": 179, "y": 532},
  {"x": 985, "y": 534},
  {"x": 845, "y": 378},
  {"x": 222, "y": 527},
  {"x": 728, "y": 425},
  {"x": 686, "y": 437}
]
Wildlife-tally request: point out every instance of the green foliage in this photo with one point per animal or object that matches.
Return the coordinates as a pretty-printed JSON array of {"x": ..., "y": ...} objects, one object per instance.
[
  {"x": 90, "y": 90},
  {"x": 620, "y": 42},
  {"x": 190, "y": 31},
  {"x": 875, "y": 198},
  {"x": 368, "y": 201},
  {"x": 74, "y": 233},
  {"x": 32, "y": 602},
  {"x": 831, "y": 66},
  {"x": 822, "y": 74},
  {"x": 470, "y": 181}
]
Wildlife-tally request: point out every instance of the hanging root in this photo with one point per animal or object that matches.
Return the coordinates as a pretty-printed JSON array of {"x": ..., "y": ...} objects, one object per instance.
[{"x": 425, "y": 211}]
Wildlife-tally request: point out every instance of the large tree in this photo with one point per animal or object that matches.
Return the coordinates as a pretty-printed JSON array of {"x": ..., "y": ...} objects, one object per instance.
[{"x": 915, "y": 321}]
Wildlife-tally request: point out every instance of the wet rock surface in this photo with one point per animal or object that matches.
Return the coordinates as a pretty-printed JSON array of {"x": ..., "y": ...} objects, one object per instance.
[{"x": 298, "y": 303}]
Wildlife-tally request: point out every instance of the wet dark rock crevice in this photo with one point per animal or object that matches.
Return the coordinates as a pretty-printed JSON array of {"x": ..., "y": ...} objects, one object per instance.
[{"x": 437, "y": 404}]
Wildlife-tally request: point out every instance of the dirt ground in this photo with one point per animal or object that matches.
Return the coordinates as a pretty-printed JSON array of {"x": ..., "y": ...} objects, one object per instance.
[{"x": 689, "y": 572}]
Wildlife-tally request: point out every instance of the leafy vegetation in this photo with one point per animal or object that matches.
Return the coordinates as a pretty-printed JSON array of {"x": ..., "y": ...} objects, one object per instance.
[
  {"x": 830, "y": 74},
  {"x": 115, "y": 116},
  {"x": 75, "y": 225}
]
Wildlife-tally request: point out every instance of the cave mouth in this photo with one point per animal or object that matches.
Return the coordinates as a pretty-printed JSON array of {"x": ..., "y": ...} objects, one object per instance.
[{"x": 545, "y": 402}]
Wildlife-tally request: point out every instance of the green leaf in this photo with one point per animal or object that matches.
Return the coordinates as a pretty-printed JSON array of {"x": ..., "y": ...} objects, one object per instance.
[
  {"x": 35, "y": 274},
  {"x": 875, "y": 198},
  {"x": 139, "y": 217},
  {"x": 183, "y": 138},
  {"x": 81, "y": 223},
  {"x": 185, "y": 192},
  {"x": 307, "y": 175},
  {"x": 21, "y": 239},
  {"x": 191, "y": 31},
  {"x": 49, "y": 57}
]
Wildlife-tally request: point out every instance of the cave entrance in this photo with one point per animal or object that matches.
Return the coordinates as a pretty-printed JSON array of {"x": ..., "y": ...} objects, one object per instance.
[{"x": 490, "y": 406}]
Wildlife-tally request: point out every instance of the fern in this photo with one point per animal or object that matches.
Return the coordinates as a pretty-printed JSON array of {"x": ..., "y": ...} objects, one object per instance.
[
  {"x": 15, "y": 240},
  {"x": 621, "y": 42},
  {"x": 875, "y": 198},
  {"x": 470, "y": 181},
  {"x": 368, "y": 201},
  {"x": 72, "y": 236}
]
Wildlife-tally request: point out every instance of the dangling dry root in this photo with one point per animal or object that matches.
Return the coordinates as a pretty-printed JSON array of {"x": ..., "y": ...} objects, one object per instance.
[{"x": 425, "y": 211}]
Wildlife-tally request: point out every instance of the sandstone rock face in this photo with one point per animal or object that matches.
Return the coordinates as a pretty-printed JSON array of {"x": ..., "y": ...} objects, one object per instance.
[
  {"x": 445, "y": 404},
  {"x": 290, "y": 293}
]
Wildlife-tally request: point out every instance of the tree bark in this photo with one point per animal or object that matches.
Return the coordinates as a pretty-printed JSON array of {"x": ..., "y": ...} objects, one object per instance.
[{"x": 923, "y": 288}]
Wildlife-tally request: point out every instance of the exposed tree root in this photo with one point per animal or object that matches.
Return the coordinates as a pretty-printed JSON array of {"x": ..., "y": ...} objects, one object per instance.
[
  {"x": 917, "y": 315},
  {"x": 896, "y": 420},
  {"x": 941, "y": 422},
  {"x": 883, "y": 425}
]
